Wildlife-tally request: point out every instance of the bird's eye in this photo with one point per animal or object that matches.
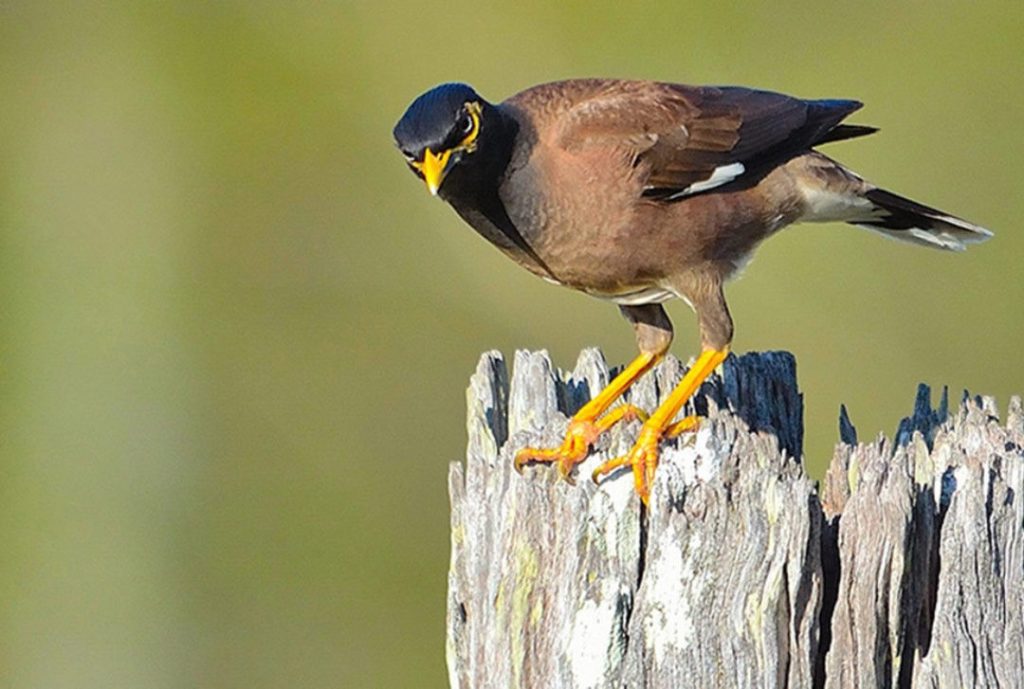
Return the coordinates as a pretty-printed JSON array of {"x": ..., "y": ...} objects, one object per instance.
[{"x": 465, "y": 124}]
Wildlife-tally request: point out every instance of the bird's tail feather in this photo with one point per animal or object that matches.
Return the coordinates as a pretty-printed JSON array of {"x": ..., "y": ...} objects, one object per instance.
[
  {"x": 834, "y": 193},
  {"x": 842, "y": 132},
  {"x": 909, "y": 221}
]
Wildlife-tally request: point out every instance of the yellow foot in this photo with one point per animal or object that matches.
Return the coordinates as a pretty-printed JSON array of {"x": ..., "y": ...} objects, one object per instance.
[
  {"x": 580, "y": 435},
  {"x": 686, "y": 425},
  {"x": 643, "y": 457}
]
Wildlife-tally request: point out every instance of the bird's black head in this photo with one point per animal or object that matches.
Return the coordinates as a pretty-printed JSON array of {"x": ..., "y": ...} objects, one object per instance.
[{"x": 442, "y": 129}]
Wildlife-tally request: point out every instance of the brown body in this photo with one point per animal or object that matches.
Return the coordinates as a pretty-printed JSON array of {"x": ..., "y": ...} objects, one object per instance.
[{"x": 599, "y": 213}]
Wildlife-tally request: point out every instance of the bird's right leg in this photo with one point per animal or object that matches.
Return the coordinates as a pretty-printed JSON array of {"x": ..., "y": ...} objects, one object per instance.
[
  {"x": 653, "y": 336},
  {"x": 704, "y": 291}
]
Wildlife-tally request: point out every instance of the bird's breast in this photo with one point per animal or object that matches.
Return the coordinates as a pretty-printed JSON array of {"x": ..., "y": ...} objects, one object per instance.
[{"x": 580, "y": 216}]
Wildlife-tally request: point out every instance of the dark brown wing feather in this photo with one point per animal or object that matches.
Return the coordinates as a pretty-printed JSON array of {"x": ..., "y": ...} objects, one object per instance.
[{"x": 690, "y": 139}]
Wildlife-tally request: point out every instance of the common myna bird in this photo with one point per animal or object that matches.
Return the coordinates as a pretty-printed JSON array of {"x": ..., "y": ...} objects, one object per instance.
[{"x": 638, "y": 192}]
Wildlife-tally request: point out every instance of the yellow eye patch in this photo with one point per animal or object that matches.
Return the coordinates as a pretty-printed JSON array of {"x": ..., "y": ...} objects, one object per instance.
[{"x": 469, "y": 142}]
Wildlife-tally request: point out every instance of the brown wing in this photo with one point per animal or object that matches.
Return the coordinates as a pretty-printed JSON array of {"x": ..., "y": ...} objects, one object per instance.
[{"x": 692, "y": 139}]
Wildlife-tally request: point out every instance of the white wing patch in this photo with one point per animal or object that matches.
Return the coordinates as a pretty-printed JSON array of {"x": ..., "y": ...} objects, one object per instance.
[{"x": 722, "y": 174}]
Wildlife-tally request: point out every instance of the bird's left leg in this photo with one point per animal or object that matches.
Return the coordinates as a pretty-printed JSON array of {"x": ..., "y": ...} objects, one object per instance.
[
  {"x": 716, "y": 334},
  {"x": 653, "y": 335}
]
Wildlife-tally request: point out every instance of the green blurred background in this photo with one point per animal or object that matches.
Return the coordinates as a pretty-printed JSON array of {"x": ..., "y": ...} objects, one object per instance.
[{"x": 237, "y": 332}]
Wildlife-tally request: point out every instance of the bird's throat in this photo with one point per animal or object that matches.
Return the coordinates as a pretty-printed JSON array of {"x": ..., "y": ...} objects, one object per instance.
[{"x": 472, "y": 190}]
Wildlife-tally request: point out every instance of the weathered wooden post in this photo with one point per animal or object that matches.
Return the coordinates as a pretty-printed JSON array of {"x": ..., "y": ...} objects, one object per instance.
[{"x": 905, "y": 570}]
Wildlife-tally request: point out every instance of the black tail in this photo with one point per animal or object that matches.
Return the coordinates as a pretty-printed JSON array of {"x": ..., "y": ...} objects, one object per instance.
[{"x": 900, "y": 218}]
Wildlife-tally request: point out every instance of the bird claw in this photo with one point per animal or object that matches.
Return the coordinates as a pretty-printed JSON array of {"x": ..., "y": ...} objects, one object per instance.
[
  {"x": 643, "y": 456},
  {"x": 685, "y": 425},
  {"x": 580, "y": 434}
]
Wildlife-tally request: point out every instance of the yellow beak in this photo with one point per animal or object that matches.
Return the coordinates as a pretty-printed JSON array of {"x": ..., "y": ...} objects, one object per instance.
[{"x": 433, "y": 169}]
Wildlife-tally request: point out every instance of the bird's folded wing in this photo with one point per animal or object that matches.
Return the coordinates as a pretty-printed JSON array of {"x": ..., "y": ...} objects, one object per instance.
[{"x": 693, "y": 139}]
